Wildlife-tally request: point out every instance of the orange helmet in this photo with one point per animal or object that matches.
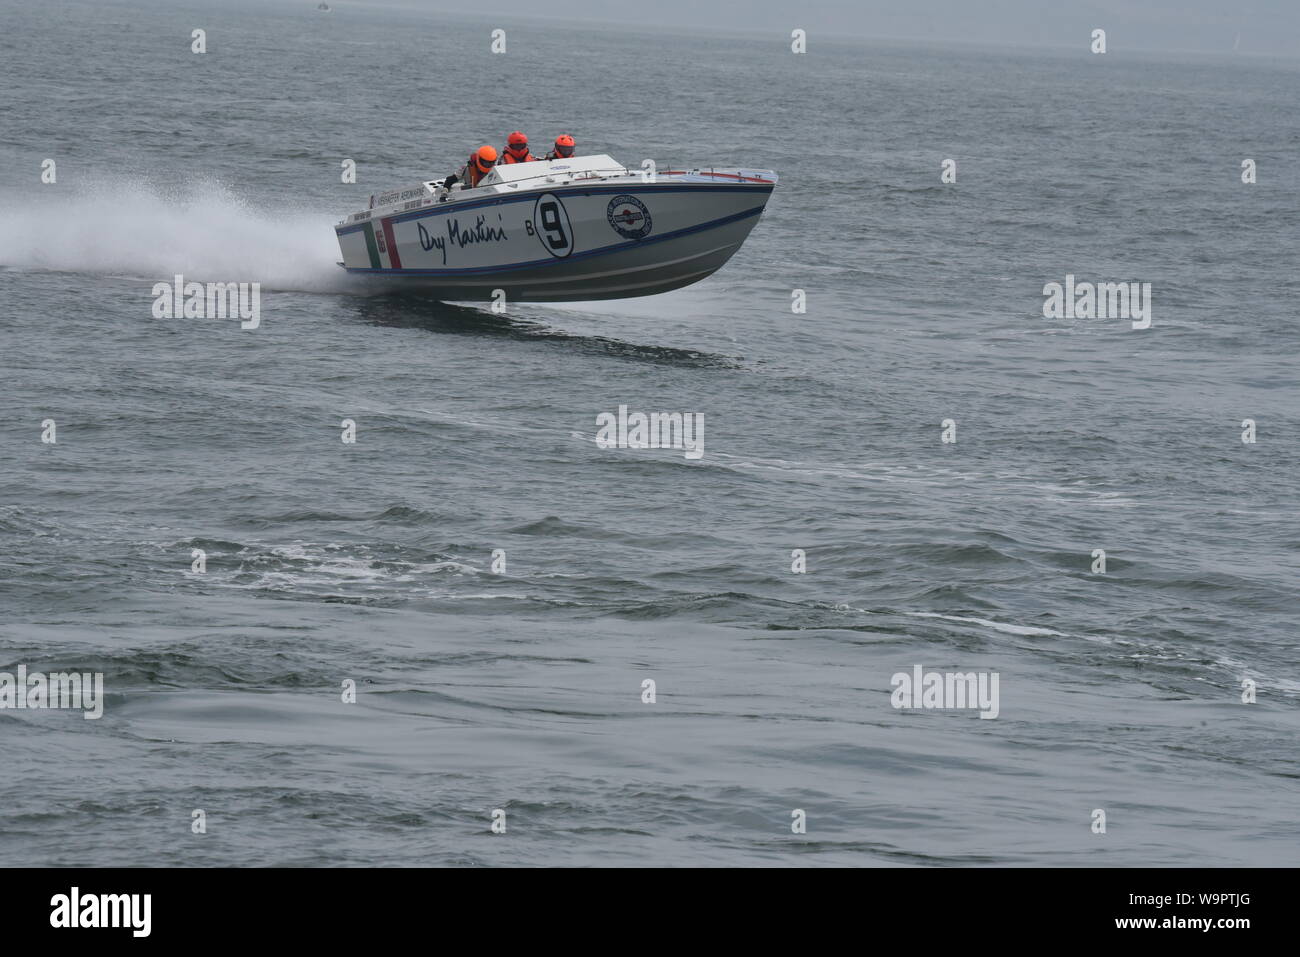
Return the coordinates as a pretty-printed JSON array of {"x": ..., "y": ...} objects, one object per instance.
[
  {"x": 485, "y": 158},
  {"x": 564, "y": 144}
]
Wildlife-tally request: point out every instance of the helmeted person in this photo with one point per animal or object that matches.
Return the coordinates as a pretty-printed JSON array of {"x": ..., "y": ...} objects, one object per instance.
[
  {"x": 478, "y": 165},
  {"x": 564, "y": 147},
  {"x": 517, "y": 149}
]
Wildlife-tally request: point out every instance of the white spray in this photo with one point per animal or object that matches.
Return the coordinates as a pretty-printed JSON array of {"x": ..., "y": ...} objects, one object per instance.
[{"x": 203, "y": 230}]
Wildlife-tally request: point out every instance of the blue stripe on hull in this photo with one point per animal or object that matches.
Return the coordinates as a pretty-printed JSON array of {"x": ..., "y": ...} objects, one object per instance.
[
  {"x": 439, "y": 209},
  {"x": 540, "y": 263}
]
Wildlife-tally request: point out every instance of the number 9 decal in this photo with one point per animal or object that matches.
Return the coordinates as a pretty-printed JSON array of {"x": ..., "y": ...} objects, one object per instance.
[{"x": 551, "y": 223}]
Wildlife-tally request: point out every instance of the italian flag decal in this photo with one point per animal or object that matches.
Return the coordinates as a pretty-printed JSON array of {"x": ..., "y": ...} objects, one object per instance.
[
  {"x": 371, "y": 248},
  {"x": 381, "y": 246}
]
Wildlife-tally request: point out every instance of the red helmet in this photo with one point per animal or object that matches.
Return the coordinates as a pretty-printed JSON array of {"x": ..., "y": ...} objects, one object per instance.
[
  {"x": 516, "y": 142},
  {"x": 485, "y": 157},
  {"x": 564, "y": 145}
]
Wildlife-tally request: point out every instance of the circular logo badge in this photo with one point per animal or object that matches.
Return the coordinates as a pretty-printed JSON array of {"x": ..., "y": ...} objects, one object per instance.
[{"x": 629, "y": 217}]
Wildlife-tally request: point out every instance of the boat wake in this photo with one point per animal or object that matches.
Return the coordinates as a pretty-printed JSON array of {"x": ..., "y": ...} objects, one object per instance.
[
  {"x": 203, "y": 230},
  {"x": 412, "y": 310}
]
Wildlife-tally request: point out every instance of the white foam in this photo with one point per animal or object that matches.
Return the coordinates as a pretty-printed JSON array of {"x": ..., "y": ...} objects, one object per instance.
[
  {"x": 1264, "y": 681},
  {"x": 330, "y": 566},
  {"x": 995, "y": 625},
  {"x": 203, "y": 230}
]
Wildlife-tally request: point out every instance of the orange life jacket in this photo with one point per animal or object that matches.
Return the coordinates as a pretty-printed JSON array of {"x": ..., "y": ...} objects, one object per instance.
[
  {"x": 509, "y": 157},
  {"x": 472, "y": 173}
]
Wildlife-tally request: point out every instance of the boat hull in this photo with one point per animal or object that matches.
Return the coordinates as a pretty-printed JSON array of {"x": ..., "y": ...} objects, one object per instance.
[{"x": 566, "y": 243}]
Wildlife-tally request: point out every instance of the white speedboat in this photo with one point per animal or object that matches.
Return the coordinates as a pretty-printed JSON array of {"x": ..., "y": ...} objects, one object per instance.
[{"x": 565, "y": 230}]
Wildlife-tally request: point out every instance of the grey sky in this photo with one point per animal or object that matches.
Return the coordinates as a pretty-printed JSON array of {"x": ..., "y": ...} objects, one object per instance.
[{"x": 1264, "y": 26}]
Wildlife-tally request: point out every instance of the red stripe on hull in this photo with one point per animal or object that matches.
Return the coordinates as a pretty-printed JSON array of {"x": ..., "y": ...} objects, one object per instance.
[
  {"x": 394, "y": 259},
  {"x": 737, "y": 176}
]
